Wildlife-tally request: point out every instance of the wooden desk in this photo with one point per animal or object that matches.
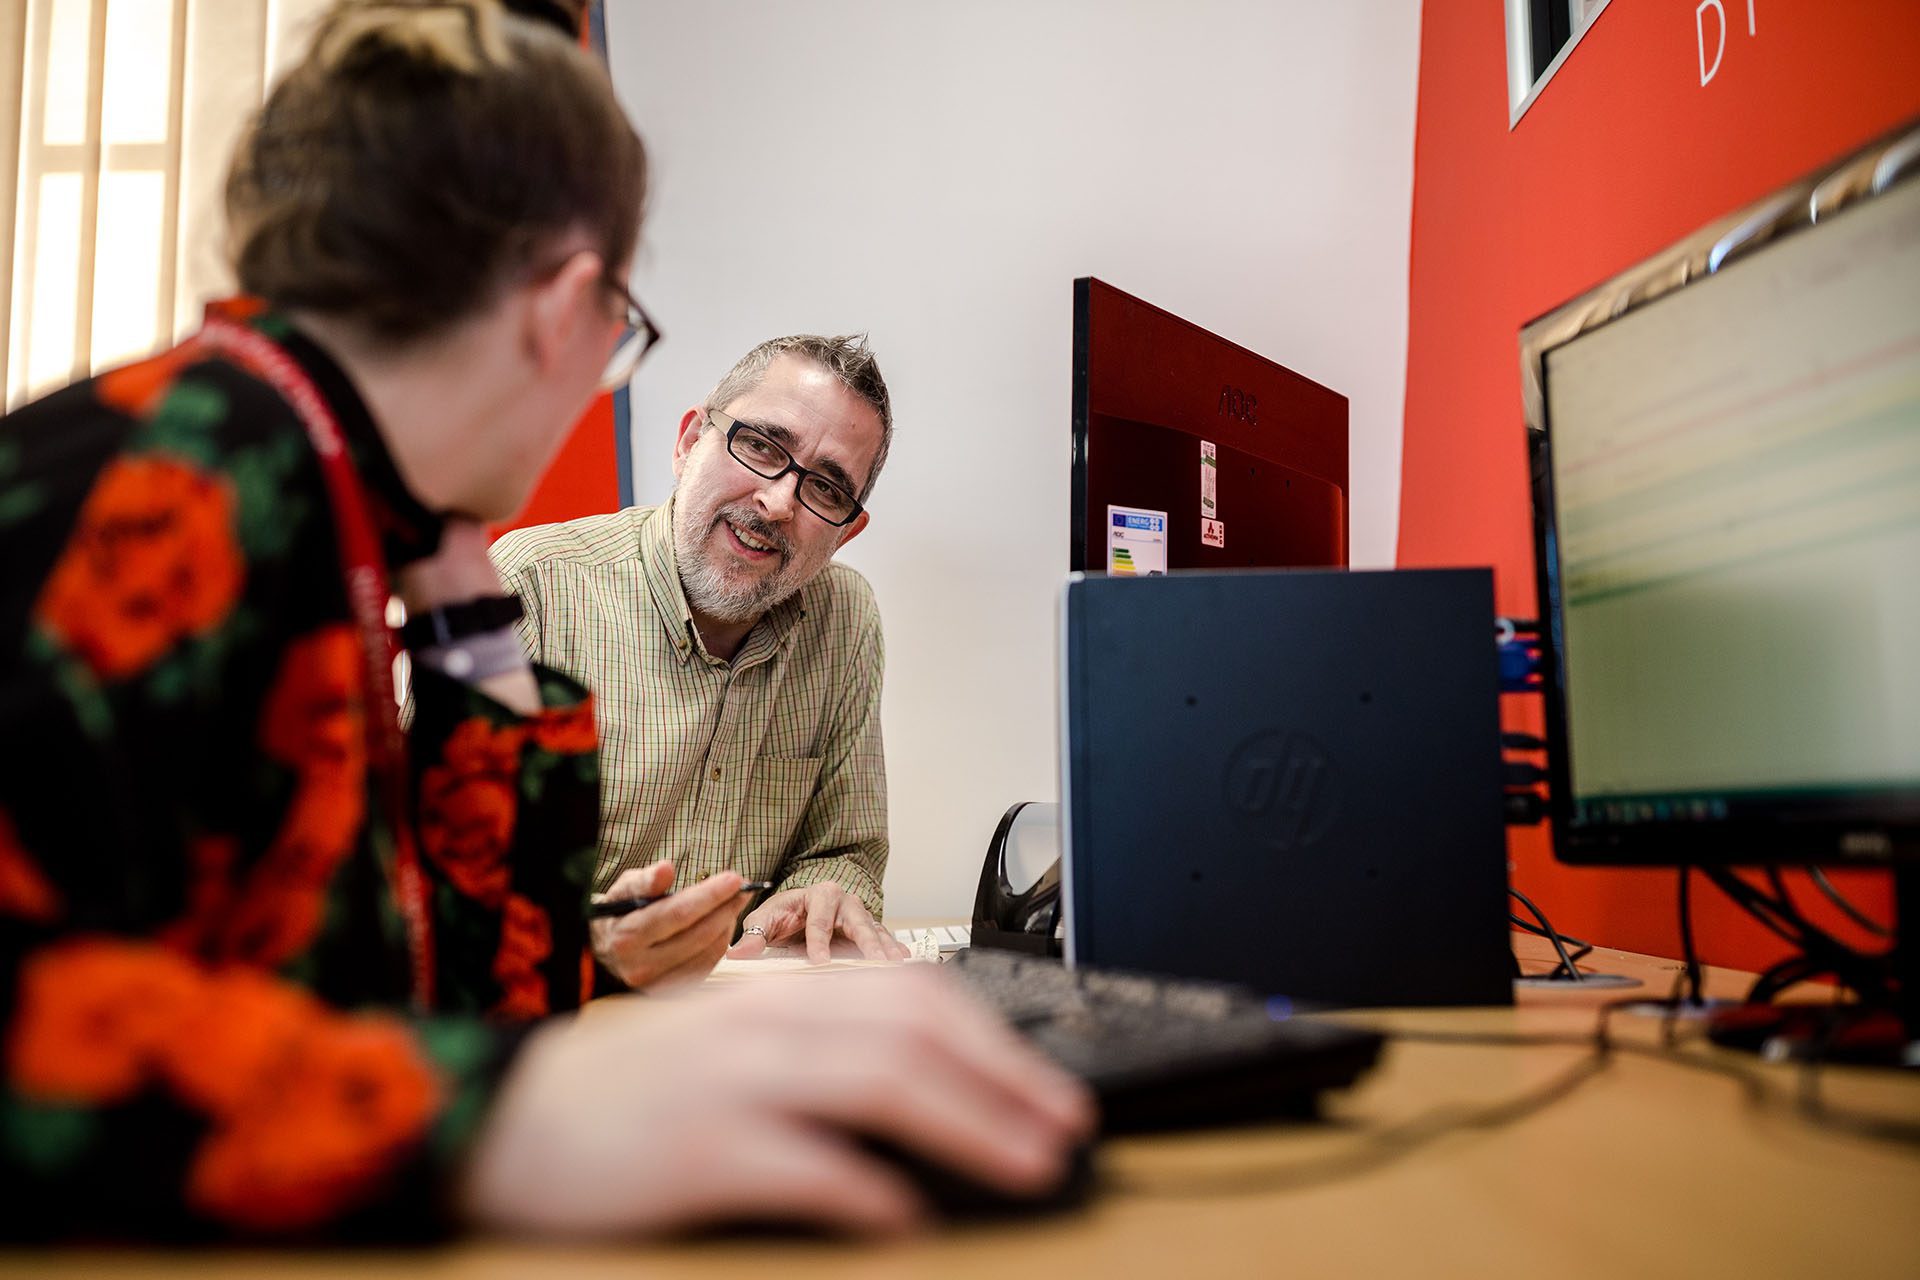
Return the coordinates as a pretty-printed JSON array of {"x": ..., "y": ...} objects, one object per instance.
[{"x": 1645, "y": 1168}]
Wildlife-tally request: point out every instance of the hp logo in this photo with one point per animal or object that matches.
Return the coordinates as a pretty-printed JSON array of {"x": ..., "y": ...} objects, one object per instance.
[{"x": 1280, "y": 788}]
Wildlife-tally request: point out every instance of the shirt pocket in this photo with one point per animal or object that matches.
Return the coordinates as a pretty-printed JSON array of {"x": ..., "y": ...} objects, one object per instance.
[{"x": 777, "y": 800}]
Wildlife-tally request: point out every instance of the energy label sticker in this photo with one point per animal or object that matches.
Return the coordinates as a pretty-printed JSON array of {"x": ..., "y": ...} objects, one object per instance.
[{"x": 1136, "y": 542}]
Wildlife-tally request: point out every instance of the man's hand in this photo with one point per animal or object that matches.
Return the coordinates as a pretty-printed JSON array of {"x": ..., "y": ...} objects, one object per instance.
[
  {"x": 741, "y": 1103},
  {"x": 822, "y": 911},
  {"x": 676, "y": 940}
]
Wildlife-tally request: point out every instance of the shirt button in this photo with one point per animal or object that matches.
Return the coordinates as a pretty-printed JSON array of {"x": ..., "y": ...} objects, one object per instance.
[{"x": 716, "y": 775}]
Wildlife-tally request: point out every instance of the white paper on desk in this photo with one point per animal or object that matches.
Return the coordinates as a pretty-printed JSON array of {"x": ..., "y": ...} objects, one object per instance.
[{"x": 792, "y": 958}]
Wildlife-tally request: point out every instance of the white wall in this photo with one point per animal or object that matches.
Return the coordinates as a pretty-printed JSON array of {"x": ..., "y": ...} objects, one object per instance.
[{"x": 937, "y": 174}]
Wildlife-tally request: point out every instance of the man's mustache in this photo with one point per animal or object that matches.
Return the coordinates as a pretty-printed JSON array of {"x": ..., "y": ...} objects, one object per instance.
[{"x": 750, "y": 521}]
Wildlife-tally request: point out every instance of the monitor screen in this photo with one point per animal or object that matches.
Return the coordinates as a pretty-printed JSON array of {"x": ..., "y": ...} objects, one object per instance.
[
  {"x": 1728, "y": 498},
  {"x": 1192, "y": 453}
]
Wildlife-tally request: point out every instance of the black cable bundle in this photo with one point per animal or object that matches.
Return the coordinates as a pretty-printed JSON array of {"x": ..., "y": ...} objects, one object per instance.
[
  {"x": 1544, "y": 929},
  {"x": 1688, "y": 954},
  {"x": 1868, "y": 975}
]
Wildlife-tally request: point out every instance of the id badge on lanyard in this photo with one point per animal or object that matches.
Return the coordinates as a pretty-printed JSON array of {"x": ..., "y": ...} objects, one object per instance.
[{"x": 365, "y": 571}]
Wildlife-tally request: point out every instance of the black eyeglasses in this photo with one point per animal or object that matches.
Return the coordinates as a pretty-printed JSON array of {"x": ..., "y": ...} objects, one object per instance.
[
  {"x": 759, "y": 453},
  {"x": 635, "y": 340}
]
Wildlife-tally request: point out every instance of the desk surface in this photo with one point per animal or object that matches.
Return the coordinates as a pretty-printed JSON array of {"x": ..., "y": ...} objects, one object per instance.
[{"x": 1644, "y": 1167}]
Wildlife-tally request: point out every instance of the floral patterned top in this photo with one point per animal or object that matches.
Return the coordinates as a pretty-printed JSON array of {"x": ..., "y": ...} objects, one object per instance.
[{"x": 204, "y": 976}]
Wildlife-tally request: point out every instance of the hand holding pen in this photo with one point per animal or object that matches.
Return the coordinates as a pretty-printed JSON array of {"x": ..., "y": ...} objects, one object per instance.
[
  {"x": 610, "y": 908},
  {"x": 650, "y": 935}
]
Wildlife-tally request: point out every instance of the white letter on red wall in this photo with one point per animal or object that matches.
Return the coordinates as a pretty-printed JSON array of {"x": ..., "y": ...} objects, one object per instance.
[{"x": 1700, "y": 29}]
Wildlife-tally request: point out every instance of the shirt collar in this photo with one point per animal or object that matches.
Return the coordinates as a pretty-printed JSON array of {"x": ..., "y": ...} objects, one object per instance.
[{"x": 660, "y": 565}]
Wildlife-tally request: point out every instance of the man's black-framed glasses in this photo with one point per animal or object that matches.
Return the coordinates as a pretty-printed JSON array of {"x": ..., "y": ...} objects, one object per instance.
[
  {"x": 767, "y": 458},
  {"x": 635, "y": 340}
]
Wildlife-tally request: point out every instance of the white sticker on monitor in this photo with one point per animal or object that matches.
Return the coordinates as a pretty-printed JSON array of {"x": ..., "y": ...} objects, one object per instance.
[
  {"x": 1213, "y": 532},
  {"x": 1209, "y": 479},
  {"x": 1136, "y": 542}
]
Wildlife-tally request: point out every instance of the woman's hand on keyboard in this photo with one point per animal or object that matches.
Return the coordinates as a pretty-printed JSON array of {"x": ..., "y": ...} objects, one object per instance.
[{"x": 746, "y": 1102}]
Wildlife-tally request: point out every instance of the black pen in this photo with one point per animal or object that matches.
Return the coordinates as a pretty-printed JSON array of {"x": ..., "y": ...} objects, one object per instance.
[{"x": 609, "y": 907}]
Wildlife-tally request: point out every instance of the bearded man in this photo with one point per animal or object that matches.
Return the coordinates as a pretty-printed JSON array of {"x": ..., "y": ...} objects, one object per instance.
[{"x": 736, "y": 670}]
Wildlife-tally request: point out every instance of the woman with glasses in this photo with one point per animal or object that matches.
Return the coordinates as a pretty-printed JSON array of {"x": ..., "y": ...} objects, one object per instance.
[{"x": 270, "y": 965}]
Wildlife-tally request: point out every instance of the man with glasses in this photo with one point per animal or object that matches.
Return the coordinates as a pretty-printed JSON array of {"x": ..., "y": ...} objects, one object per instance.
[{"x": 736, "y": 669}]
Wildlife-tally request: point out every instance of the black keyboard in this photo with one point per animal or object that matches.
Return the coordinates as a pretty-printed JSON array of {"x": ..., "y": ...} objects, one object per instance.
[{"x": 1169, "y": 1052}]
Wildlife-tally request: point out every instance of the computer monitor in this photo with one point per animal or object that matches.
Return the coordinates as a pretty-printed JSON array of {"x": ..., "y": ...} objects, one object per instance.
[
  {"x": 1192, "y": 453},
  {"x": 1726, "y": 468}
]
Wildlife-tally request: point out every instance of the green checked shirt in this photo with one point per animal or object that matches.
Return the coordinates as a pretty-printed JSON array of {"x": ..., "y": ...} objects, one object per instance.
[{"x": 770, "y": 765}]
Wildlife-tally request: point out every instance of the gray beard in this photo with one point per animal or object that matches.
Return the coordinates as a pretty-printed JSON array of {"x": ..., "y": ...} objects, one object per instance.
[{"x": 708, "y": 590}]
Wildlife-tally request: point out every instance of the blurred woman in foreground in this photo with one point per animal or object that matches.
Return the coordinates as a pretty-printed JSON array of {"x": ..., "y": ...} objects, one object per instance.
[{"x": 271, "y": 967}]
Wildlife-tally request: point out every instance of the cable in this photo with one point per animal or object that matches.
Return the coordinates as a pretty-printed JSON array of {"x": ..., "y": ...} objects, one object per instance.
[
  {"x": 1378, "y": 1148},
  {"x": 1552, "y": 935},
  {"x": 1824, "y": 951},
  {"x": 1381, "y": 1147},
  {"x": 1796, "y": 927},
  {"x": 1821, "y": 954},
  {"x": 1524, "y": 808},
  {"x": 1754, "y": 902},
  {"x": 1789, "y": 972},
  {"x": 1581, "y": 947},
  {"x": 1868, "y": 975},
  {"x": 1870, "y": 961},
  {"x": 1687, "y": 952},
  {"x": 1518, "y": 773},
  {"x": 1784, "y": 898},
  {"x": 1853, "y": 913}
]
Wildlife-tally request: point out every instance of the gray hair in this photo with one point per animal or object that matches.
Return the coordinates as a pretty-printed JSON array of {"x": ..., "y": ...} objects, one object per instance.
[{"x": 847, "y": 357}]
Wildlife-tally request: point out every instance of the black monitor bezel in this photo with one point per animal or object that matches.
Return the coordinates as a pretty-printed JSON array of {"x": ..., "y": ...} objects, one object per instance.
[{"x": 1822, "y": 834}]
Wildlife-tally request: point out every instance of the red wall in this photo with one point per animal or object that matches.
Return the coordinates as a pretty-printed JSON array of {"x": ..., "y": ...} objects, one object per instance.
[
  {"x": 583, "y": 480},
  {"x": 1623, "y": 153}
]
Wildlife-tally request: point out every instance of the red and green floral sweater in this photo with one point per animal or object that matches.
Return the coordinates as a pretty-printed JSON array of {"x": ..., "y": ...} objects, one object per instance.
[{"x": 204, "y": 977}]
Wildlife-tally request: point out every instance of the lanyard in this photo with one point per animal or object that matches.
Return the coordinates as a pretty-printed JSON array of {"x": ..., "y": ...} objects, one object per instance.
[{"x": 367, "y": 591}]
